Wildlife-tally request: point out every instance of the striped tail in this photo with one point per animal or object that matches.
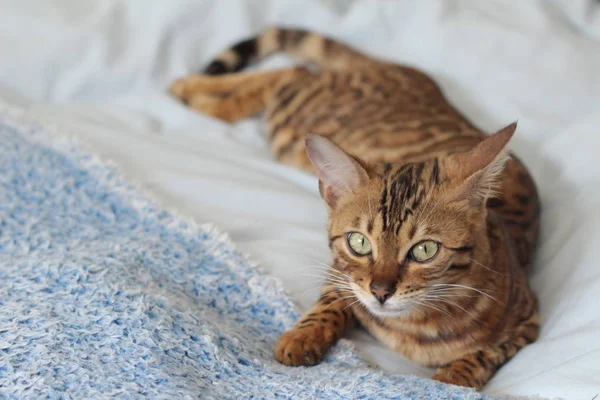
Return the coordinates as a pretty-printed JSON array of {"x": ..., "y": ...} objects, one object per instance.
[{"x": 304, "y": 45}]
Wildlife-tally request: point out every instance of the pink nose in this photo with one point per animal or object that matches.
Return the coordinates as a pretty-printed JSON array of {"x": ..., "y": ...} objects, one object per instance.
[{"x": 382, "y": 293}]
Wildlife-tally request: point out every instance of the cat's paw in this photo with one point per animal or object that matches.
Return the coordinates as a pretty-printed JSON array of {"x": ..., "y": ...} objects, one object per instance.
[
  {"x": 178, "y": 88},
  {"x": 185, "y": 89},
  {"x": 453, "y": 377},
  {"x": 304, "y": 346}
]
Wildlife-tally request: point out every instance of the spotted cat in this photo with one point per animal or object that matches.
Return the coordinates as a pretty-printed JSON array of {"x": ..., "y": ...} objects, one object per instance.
[{"x": 432, "y": 223}]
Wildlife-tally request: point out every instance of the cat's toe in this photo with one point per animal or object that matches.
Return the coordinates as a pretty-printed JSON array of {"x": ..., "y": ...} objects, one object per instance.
[
  {"x": 312, "y": 353},
  {"x": 452, "y": 377},
  {"x": 178, "y": 88},
  {"x": 299, "y": 347}
]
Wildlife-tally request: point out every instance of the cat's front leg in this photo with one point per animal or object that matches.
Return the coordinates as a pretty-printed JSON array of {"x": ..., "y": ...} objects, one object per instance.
[
  {"x": 317, "y": 331},
  {"x": 476, "y": 369}
]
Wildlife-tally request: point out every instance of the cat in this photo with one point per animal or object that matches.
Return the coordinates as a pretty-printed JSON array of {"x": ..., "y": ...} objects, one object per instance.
[{"x": 432, "y": 224}]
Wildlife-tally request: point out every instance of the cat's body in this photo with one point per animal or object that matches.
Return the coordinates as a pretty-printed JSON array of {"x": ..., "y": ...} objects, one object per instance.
[{"x": 422, "y": 174}]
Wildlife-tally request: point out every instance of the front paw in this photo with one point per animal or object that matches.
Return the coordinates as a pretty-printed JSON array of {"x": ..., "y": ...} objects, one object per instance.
[{"x": 302, "y": 346}]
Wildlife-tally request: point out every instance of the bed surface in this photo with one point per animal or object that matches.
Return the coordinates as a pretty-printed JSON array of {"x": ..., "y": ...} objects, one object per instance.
[{"x": 101, "y": 70}]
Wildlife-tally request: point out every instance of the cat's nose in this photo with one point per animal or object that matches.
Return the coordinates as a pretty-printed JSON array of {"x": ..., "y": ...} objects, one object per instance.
[{"x": 382, "y": 292}]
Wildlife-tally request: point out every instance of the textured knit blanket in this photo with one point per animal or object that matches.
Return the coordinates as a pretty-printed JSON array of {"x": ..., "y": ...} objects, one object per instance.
[{"x": 105, "y": 294}]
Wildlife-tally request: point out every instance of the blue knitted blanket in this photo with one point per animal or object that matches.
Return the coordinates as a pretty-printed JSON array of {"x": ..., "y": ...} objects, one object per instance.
[{"x": 105, "y": 294}]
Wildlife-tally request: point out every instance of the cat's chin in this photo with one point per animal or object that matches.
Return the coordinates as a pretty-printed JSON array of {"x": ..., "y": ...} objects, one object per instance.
[{"x": 387, "y": 312}]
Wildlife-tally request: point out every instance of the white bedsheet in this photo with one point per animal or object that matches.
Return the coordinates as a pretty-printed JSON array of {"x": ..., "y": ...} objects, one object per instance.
[{"x": 101, "y": 69}]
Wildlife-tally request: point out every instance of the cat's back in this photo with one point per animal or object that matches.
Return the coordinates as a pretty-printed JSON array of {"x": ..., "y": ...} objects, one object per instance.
[
  {"x": 383, "y": 113},
  {"x": 393, "y": 114}
]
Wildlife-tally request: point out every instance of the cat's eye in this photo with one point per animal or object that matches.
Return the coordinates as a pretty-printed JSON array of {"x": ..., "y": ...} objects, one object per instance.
[
  {"x": 359, "y": 244},
  {"x": 424, "y": 251}
]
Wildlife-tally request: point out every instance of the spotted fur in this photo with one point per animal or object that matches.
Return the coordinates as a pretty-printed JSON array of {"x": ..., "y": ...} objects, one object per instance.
[{"x": 399, "y": 164}]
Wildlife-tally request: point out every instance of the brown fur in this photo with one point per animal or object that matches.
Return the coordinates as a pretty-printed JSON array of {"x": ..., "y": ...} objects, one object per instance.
[{"x": 418, "y": 170}]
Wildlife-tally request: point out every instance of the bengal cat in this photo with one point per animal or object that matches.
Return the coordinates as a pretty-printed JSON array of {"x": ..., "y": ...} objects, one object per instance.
[{"x": 432, "y": 224}]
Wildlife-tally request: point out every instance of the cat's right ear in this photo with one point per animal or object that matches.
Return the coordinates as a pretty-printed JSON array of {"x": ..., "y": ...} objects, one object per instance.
[
  {"x": 477, "y": 173},
  {"x": 339, "y": 173}
]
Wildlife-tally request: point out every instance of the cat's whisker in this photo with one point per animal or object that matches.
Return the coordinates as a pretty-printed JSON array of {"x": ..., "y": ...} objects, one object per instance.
[
  {"x": 324, "y": 275},
  {"x": 419, "y": 310},
  {"x": 338, "y": 285},
  {"x": 345, "y": 281},
  {"x": 438, "y": 309},
  {"x": 469, "y": 288},
  {"x": 369, "y": 206},
  {"x": 451, "y": 289},
  {"x": 327, "y": 274},
  {"x": 341, "y": 285},
  {"x": 324, "y": 272},
  {"x": 338, "y": 273},
  {"x": 448, "y": 285},
  {"x": 320, "y": 264},
  {"x": 488, "y": 268},
  {"x": 338, "y": 277},
  {"x": 321, "y": 268},
  {"x": 343, "y": 288},
  {"x": 323, "y": 265},
  {"x": 429, "y": 208},
  {"x": 451, "y": 303},
  {"x": 340, "y": 299},
  {"x": 421, "y": 220},
  {"x": 330, "y": 272},
  {"x": 317, "y": 289},
  {"x": 493, "y": 271},
  {"x": 345, "y": 285},
  {"x": 443, "y": 295},
  {"x": 420, "y": 217},
  {"x": 350, "y": 305}
]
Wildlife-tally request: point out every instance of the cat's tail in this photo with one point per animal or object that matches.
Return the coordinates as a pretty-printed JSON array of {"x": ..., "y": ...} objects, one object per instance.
[{"x": 304, "y": 45}]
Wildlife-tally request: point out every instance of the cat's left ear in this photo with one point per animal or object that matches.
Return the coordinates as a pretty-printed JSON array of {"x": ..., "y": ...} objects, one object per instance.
[
  {"x": 339, "y": 173},
  {"x": 477, "y": 173}
]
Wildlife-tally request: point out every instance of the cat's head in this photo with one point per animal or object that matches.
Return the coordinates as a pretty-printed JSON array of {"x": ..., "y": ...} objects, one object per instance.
[{"x": 397, "y": 231}]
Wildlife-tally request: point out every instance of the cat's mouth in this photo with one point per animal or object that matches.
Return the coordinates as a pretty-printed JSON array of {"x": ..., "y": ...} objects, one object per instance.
[{"x": 394, "y": 307}]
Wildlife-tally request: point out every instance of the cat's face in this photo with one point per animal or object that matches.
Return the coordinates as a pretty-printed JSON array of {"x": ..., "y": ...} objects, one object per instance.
[
  {"x": 401, "y": 235},
  {"x": 392, "y": 249}
]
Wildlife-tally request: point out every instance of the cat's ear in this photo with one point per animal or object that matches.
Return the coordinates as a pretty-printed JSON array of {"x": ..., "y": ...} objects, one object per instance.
[
  {"x": 476, "y": 174},
  {"x": 339, "y": 173}
]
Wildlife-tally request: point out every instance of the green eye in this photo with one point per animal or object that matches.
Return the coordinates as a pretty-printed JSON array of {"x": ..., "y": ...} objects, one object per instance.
[
  {"x": 359, "y": 243},
  {"x": 424, "y": 251}
]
